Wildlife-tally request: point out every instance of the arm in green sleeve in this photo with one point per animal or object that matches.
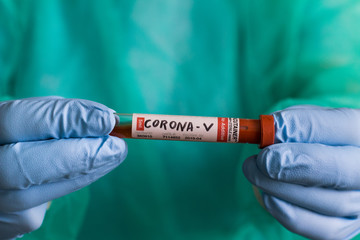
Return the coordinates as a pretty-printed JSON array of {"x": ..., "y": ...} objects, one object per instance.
[{"x": 327, "y": 66}]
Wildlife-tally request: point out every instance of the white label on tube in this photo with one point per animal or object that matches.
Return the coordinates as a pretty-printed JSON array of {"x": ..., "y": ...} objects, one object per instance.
[{"x": 185, "y": 128}]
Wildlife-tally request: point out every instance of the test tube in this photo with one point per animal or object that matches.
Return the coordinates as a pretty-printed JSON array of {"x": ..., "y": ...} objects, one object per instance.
[{"x": 191, "y": 128}]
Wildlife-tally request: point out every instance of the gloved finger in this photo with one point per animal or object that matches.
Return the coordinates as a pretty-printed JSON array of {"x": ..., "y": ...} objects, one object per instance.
[
  {"x": 18, "y": 200},
  {"x": 48, "y": 117},
  {"x": 312, "y": 165},
  {"x": 25, "y": 164},
  {"x": 15, "y": 224},
  {"x": 311, "y": 224},
  {"x": 326, "y": 201},
  {"x": 64, "y": 171},
  {"x": 330, "y": 126}
]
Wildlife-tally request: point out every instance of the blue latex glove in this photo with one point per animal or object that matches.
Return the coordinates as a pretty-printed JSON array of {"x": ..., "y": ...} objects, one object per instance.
[
  {"x": 310, "y": 179},
  {"x": 50, "y": 147}
]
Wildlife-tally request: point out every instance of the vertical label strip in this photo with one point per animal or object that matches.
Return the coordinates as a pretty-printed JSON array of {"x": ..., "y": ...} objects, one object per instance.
[
  {"x": 140, "y": 124},
  {"x": 233, "y": 130},
  {"x": 222, "y": 129}
]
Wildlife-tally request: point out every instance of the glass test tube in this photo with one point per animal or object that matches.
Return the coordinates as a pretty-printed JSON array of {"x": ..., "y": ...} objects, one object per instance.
[{"x": 190, "y": 128}]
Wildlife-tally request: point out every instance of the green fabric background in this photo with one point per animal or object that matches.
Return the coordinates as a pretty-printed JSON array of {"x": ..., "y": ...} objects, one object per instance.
[{"x": 191, "y": 57}]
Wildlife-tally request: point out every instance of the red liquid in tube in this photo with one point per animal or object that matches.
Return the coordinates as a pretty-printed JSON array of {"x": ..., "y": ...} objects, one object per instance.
[{"x": 202, "y": 129}]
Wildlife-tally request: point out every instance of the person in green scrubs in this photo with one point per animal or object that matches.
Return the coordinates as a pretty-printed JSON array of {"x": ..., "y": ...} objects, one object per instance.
[{"x": 233, "y": 58}]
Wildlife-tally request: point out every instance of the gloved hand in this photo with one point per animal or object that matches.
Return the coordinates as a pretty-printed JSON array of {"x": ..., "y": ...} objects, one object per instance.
[
  {"x": 310, "y": 179},
  {"x": 49, "y": 147}
]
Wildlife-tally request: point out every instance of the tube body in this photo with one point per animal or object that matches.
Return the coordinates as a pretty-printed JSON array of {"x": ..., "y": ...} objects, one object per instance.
[{"x": 191, "y": 128}]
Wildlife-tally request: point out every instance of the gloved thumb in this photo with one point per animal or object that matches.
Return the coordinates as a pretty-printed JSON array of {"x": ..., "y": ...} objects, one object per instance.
[{"x": 313, "y": 124}]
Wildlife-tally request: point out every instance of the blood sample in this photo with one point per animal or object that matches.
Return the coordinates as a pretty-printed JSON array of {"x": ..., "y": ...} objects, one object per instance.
[{"x": 201, "y": 129}]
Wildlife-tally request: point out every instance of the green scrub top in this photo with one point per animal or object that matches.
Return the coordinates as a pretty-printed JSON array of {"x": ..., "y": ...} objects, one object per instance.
[{"x": 230, "y": 58}]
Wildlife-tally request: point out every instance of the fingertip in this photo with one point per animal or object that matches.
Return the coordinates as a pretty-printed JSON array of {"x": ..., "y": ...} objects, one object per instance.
[
  {"x": 269, "y": 161},
  {"x": 246, "y": 167},
  {"x": 118, "y": 149},
  {"x": 292, "y": 124},
  {"x": 110, "y": 121},
  {"x": 283, "y": 126},
  {"x": 117, "y": 119},
  {"x": 122, "y": 148},
  {"x": 100, "y": 119}
]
